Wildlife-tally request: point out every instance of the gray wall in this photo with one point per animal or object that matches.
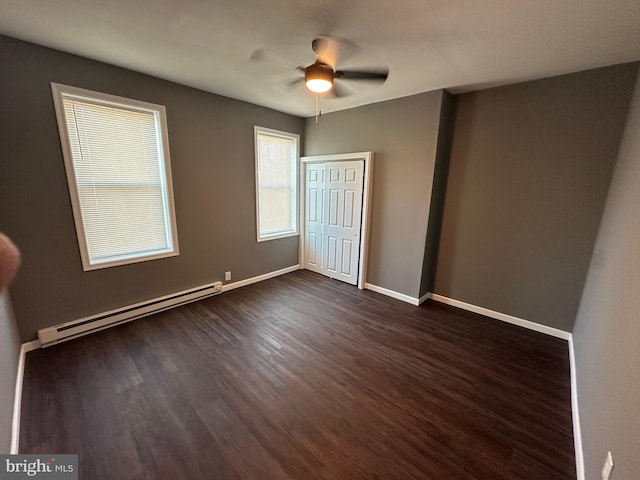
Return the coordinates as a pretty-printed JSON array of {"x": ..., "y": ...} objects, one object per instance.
[
  {"x": 606, "y": 335},
  {"x": 211, "y": 144},
  {"x": 9, "y": 352},
  {"x": 530, "y": 170},
  {"x": 403, "y": 133}
]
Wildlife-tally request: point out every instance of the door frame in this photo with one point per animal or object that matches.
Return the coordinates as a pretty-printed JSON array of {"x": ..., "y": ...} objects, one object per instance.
[{"x": 366, "y": 205}]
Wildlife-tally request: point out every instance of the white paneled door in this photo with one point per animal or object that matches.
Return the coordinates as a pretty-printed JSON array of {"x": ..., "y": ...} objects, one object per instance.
[
  {"x": 314, "y": 212},
  {"x": 333, "y": 218}
]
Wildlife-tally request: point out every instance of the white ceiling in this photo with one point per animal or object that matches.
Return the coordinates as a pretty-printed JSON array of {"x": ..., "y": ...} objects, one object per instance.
[{"x": 427, "y": 44}]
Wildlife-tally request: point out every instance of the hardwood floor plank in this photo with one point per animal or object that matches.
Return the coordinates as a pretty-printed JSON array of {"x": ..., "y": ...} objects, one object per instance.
[{"x": 303, "y": 377}]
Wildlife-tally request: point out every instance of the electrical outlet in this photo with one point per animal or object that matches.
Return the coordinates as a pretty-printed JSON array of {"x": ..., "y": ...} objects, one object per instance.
[
  {"x": 607, "y": 467},
  {"x": 227, "y": 276}
]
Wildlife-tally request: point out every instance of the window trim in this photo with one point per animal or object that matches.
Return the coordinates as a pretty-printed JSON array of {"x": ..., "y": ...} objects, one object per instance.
[
  {"x": 59, "y": 91},
  {"x": 296, "y": 183}
]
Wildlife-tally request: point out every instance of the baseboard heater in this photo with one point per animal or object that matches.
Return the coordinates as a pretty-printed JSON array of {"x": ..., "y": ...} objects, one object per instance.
[{"x": 77, "y": 328}]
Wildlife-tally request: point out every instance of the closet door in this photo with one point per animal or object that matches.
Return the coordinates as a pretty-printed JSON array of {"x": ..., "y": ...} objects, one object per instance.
[
  {"x": 314, "y": 212},
  {"x": 340, "y": 185}
]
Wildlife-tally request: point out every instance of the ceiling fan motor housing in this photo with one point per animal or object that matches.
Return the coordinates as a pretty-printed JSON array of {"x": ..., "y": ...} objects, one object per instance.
[{"x": 318, "y": 71}]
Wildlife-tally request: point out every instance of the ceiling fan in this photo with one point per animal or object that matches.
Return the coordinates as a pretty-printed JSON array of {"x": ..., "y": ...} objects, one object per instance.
[{"x": 320, "y": 76}]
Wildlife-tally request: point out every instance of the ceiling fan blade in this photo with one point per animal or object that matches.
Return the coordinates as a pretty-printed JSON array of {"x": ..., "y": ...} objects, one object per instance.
[
  {"x": 339, "y": 91},
  {"x": 318, "y": 45},
  {"x": 295, "y": 82},
  {"x": 326, "y": 50},
  {"x": 258, "y": 55},
  {"x": 379, "y": 75},
  {"x": 270, "y": 56}
]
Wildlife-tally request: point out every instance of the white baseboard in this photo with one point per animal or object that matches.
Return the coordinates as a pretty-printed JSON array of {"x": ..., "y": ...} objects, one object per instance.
[
  {"x": 554, "y": 332},
  {"x": 259, "y": 278},
  {"x": 425, "y": 297},
  {"x": 392, "y": 294},
  {"x": 575, "y": 414},
  {"x": 17, "y": 400}
]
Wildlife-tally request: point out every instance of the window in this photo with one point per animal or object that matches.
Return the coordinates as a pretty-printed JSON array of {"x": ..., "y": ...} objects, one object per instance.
[
  {"x": 116, "y": 155},
  {"x": 276, "y": 183}
]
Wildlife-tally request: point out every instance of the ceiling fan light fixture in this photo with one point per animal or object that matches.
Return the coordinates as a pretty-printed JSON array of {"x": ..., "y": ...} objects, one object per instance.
[
  {"x": 319, "y": 85},
  {"x": 318, "y": 78}
]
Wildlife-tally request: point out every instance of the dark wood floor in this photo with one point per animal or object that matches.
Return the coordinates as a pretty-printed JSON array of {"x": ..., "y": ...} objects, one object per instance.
[{"x": 302, "y": 377}]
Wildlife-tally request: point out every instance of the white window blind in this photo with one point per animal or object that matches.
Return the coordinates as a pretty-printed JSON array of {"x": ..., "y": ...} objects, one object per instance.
[
  {"x": 276, "y": 183},
  {"x": 116, "y": 155}
]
